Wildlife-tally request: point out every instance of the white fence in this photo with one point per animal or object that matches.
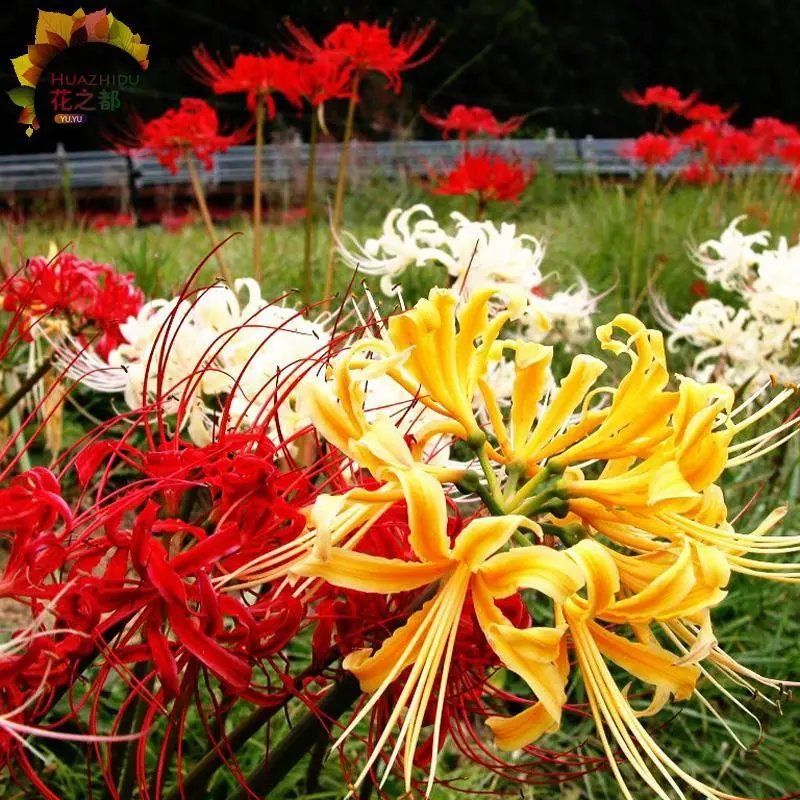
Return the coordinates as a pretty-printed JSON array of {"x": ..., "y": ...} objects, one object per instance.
[{"x": 287, "y": 162}]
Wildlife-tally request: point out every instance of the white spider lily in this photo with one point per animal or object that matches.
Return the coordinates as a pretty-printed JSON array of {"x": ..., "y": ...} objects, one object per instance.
[
  {"x": 475, "y": 255},
  {"x": 728, "y": 338},
  {"x": 755, "y": 339},
  {"x": 187, "y": 352},
  {"x": 566, "y": 315},
  {"x": 190, "y": 353},
  {"x": 484, "y": 254},
  {"x": 403, "y": 242},
  {"x": 728, "y": 260}
]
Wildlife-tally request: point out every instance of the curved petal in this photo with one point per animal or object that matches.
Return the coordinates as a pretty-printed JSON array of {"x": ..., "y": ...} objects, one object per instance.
[
  {"x": 366, "y": 573},
  {"x": 600, "y": 572},
  {"x": 513, "y": 733},
  {"x": 584, "y": 371},
  {"x": 532, "y": 653},
  {"x": 427, "y": 514},
  {"x": 483, "y": 536},
  {"x": 546, "y": 570},
  {"x": 394, "y": 654},
  {"x": 648, "y": 662}
]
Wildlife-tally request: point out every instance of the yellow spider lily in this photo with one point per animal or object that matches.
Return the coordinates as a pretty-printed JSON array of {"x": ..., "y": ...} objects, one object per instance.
[
  {"x": 678, "y": 585},
  {"x": 426, "y": 641},
  {"x": 623, "y": 474}
]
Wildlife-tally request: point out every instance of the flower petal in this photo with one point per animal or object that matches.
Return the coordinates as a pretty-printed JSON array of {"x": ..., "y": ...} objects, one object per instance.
[
  {"x": 427, "y": 514},
  {"x": 366, "y": 573},
  {"x": 536, "y": 567}
]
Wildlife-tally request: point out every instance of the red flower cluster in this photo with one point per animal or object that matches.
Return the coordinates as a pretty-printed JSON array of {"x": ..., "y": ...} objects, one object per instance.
[
  {"x": 707, "y": 112},
  {"x": 191, "y": 129},
  {"x": 323, "y": 79},
  {"x": 486, "y": 176},
  {"x": 258, "y": 77},
  {"x": 103, "y": 221},
  {"x": 465, "y": 121},
  {"x": 665, "y": 98},
  {"x": 714, "y": 143},
  {"x": 652, "y": 149},
  {"x": 141, "y": 576},
  {"x": 87, "y": 294},
  {"x": 364, "y": 47}
]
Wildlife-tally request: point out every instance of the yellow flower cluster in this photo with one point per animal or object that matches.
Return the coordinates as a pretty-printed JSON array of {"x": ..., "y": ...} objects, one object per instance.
[{"x": 621, "y": 477}]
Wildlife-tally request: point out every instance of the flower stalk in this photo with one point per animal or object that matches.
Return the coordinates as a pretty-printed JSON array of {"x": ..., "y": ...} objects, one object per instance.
[
  {"x": 200, "y": 197},
  {"x": 341, "y": 184},
  {"x": 308, "y": 273},
  {"x": 258, "y": 187}
]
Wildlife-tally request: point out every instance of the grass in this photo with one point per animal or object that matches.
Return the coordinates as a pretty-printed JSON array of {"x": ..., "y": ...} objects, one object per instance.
[{"x": 609, "y": 232}]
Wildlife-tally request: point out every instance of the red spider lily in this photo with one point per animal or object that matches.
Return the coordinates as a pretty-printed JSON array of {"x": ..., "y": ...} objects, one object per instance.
[
  {"x": 134, "y": 564},
  {"x": 32, "y": 503},
  {"x": 652, "y": 149},
  {"x": 700, "y": 173},
  {"x": 191, "y": 129},
  {"x": 259, "y": 77},
  {"x": 706, "y": 112},
  {"x": 323, "y": 79},
  {"x": 466, "y": 121},
  {"x": 135, "y": 579},
  {"x": 85, "y": 292},
  {"x": 700, "y": 136},
  {"x": 364, "y": 47},
  {"x": 665, "y": 98},
  {"x": 771, "y": 133},
  {"x": 487, "y": 176},
  {"x": 735, "y": 147}
]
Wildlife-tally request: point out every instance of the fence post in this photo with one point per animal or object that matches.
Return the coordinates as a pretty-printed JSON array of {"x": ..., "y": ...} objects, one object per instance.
[
  {"x": 589, "y": 156},
  {"x": 550, "y": 150}
]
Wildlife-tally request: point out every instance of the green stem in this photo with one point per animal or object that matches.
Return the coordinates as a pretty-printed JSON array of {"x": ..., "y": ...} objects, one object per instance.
[
  {"x": 341, "y": 182},
  {"x": 305, "y": 733},
  {"x": 527, "y": 489},
  {"x": 257, "y": 190},
  {"x": 310, "y": 208},
  {"x": 128, "y": 776},
  {"x": 18, "y": 394},
  {"x": 637, "y": 235},
  {"x": 553, "y": 501},
  {"x": 489, "y": 500},
  {"x": 491, "y": 478},
  {"x": 316, "y": 762}
]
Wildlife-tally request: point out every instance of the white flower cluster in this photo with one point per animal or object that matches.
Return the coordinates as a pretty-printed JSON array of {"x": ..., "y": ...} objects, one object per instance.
[
  {"x": 218, "y": 348},
  {"x": 754, "y": 337},
  {"x": 227, "y": 355},
  {"x": 476, "y": 254}
]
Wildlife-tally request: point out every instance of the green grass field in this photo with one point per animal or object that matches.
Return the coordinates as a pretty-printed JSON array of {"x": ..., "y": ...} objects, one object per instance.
[{"x": 608, "y": 232}]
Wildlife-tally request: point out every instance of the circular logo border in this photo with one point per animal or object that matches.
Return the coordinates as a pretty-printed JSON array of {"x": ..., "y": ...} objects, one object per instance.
[{"x": 56, "y": 33}]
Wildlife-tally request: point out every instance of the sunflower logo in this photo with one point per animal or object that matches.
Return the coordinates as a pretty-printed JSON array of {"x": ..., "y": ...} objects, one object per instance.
[{"x": 56, "y": 33}]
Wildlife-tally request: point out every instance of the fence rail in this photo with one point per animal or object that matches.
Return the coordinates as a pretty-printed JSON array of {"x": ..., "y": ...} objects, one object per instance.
[{"x": 287, "y": 162}]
